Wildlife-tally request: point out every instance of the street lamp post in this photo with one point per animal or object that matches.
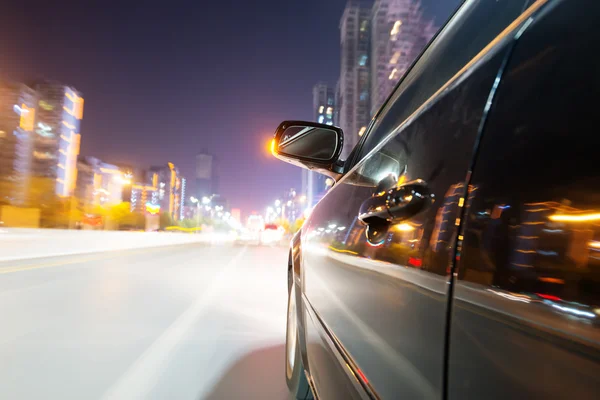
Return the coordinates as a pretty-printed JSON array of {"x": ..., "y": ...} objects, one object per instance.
[{"x": 197, "y": 203}]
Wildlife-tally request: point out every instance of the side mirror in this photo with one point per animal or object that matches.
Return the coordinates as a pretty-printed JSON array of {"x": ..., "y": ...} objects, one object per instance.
[{"x": 310, "y": 145}]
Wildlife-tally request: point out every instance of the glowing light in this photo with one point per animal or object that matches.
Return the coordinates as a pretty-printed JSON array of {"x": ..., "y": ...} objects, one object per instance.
[
  {"x": 575, "y": 218},
  {"x": 404, "y": 227},
  {"x": 362, "y": 131},
  {"x": 27, "y": 117},
  {"x": 574, "y": 311},
  {"x": 321, "y": 109},
  {"x": 272, "y": 146},
  {"x": 329, "y": 110},
  {"x": 342, "y": 250},
  {"x": 302, "y": 199},
  {"x": 395, "y": 58},
  {"x": 393, "y": 74},
  {"x": 415, "y": 262},
  {"x": 307, "y": 212},
  {"x": 152, "y": 208},
  {"x": 549, "y": 297},
  {"x": 396, "y": 28},
  {"x": 513, "y": 297},
  {"x": 277, "y": 203},
  {"x": 594, "y": 243},
  {"x": 46, "y": 106},
  {"x": 548, "y": 279}
]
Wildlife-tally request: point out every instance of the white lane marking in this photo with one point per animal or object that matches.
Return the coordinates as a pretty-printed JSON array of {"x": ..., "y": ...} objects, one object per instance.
[{"x": 143, "y": 374}]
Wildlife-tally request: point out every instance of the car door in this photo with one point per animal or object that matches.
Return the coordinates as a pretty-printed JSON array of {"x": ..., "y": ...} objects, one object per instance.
[
  {"x": 526, "y": 308},
  {"x": 375, "y": 292}
]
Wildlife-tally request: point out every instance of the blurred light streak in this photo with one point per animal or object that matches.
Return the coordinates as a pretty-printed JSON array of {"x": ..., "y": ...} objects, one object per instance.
[{"x": 575, "y": 218}]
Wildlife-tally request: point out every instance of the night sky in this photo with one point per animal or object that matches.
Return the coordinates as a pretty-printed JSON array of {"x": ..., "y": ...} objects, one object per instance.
[{"x": 162, "y": 83}]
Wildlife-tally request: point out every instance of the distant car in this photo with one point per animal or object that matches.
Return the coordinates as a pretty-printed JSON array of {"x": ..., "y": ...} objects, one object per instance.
[
  {"x": 272, "y": 234},
  {"x": 457, "y": 255},
  {"x": 251, "y": 233}
]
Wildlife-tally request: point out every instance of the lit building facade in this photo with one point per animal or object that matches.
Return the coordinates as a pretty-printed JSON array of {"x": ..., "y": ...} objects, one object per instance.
[
  {"x": 57, "y": 140},
  {"x": 355, "y": 72},
  {"x": 144, "y": 198},
  {"x": 167, "y": 180},
  {"x": 17, "y": 124},
  {"x": 398, "y": 35}
]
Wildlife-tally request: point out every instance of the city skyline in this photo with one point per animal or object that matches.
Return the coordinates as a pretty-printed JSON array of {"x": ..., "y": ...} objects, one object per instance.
[{"x": 172, "y": 96}]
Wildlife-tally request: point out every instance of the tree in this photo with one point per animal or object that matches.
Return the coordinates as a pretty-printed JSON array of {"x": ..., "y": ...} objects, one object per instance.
[{"x": 165, "y": 220}]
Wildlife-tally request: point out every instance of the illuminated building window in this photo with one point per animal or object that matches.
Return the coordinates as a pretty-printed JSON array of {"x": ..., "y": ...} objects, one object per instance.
[
  {"x": 45, "y": 106},
  {"x": 321, "y": 109},
  {"x": 396, "y": 29},
  {"x": 362, "y": 131},
  {"x": 321, "y": 119},
  {"x": 43, "y": 155},
  {"x": 2, "y": 134},
  {"x": 329, "y": 110},
  {"x": 362, "y": 61},
  {"x": 395, "y": 58},
  {"x": 393, "y": 74},
  {"x": 363, "y": 25}
]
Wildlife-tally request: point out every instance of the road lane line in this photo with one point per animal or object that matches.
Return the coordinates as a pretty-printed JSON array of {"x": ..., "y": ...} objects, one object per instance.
[{"x": 141, "y": 377}]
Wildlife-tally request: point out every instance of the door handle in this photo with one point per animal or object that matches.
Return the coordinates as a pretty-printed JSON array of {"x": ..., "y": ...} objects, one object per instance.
[{"x": 396, "y": 204}]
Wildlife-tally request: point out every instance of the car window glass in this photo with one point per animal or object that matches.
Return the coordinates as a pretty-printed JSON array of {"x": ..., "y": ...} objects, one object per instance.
[{"x": 461, "y": 40}]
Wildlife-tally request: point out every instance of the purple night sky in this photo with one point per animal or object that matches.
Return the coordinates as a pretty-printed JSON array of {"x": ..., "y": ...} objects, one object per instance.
[{"x": 163, "y": 83}]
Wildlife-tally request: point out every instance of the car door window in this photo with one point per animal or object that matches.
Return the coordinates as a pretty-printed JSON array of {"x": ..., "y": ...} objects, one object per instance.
[{"x": 460, "y": 40}]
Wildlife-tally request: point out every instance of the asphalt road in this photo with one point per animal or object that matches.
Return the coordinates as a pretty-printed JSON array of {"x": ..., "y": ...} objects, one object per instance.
[{"x": 181, "y": 322}]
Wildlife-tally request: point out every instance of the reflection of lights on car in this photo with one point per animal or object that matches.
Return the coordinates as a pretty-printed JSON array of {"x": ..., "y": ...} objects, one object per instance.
[
  {"x": 415, "y": 262},
  {"x": 307, "y": 212},
  {"x": 510, "y": 296},
  {"x": 574, "y": 311},
  {"x": 575, "y": 218},
  {"x": 594, "y": 244},
  {"x": 404, "y": 227},
  {"x": 549, "y": 297}
]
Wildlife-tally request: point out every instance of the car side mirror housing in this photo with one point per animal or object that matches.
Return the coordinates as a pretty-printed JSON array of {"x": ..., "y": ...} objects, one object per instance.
[{"x": 310, "y": 145}]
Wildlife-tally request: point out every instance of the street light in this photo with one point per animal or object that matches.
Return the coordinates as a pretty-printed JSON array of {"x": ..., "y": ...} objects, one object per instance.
[{"x": 205, "y": 200}]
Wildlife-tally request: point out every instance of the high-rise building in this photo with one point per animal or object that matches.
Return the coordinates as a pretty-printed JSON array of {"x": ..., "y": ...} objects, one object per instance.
[
  {"x": 17, "y": 123},
  {"x": 354, "y": 74},
  {"x": 399, "y": 33},
  {"x": 206, "y": 175},
  {"x": 56, "y": 145},
  {"x": 167, "y": 179},
  {"x": 325, "y": 111}
]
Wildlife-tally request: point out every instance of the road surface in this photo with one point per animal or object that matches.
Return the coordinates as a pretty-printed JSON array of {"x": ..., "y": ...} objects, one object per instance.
[{"x": 181, "y": 322}]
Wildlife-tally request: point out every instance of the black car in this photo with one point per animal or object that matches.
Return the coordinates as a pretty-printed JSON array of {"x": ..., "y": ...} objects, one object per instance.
[{"x": 458, "y": 253}]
